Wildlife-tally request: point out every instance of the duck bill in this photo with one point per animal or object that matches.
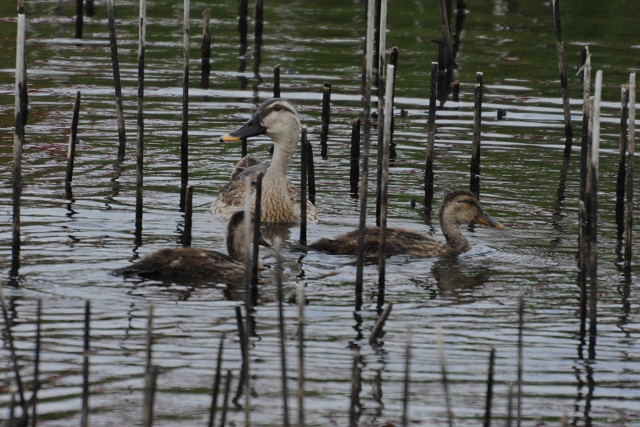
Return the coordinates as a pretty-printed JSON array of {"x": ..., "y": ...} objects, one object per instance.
[
  {"x": 251, "y": 128},
  {"x": 486, "y": 219}
]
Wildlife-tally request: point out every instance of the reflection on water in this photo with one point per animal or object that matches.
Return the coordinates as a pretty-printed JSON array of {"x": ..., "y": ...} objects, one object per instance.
[{"x": 74, "y": 237}]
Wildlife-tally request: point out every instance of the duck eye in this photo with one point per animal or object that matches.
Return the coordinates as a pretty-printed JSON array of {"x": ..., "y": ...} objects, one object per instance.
[{"x": 278, "y": 108}]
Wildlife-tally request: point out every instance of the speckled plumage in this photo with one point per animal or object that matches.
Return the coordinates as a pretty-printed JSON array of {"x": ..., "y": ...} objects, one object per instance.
[{"x": 280, "y": 200}]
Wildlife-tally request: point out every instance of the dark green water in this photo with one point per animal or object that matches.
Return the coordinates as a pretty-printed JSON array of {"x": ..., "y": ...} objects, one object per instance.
[{"x": 70, "y": 246}]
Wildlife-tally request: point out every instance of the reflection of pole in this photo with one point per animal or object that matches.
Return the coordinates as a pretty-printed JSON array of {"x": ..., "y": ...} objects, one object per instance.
[
  {"x": 520, "y": 361},
  {"x": 115, "y": 65},
  {"x": 443, "y": 372},
  {"x": 301, "y": 302},
  {"x": 205, "y": 49}
]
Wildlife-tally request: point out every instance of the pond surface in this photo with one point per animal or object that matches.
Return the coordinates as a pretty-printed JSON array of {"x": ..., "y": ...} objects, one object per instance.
[{"x": 70, "y": 246}]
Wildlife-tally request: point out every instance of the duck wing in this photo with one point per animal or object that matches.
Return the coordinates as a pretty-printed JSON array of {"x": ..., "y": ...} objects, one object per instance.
[{"x": 231, "y": 197}]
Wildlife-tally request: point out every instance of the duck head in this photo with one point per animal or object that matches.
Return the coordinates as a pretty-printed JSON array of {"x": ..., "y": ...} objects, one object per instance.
[
  {"x": 462, "y": 207},
  {"x": 276, "y": 117}
]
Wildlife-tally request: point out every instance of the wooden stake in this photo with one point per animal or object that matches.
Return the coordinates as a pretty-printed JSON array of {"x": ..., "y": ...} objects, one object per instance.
[
  {"x": 184, "y": 140},
  {"x": 84, "y": 418},
  {"x": 622, "y": 161},
  {"x": 563, "y": 78},
  {"x": 142, "y": 34},
  {"x": 384, "y": 188},
  {"x": 311, "y": 173},
  {"x": 629, "y": 184},
  {"x": 73, "y": 140},
  {"x": 79, "y": 18},
  {"x": 215, "y": 390},
  {"x": 326, "y": 119},
  {"x": 205, "y": 49},
  {"x": 149, "y": 352},
  {"x": 303, "y": 186},
  {"x": 115, "y": 65},
  {"x": 488, "y": 401},
  {"x": 431, "y": 138},
  {"x": 593, "y": 207},
  {"x": 255, "y": 255},
  {"x": 474, "y": 175},
  {"x": 354, "y": 170},
  {"x": 188, "y": 218},
  {"x": 301, "y": 319},
  {"x": 18, "y": 140},
  {"x": 446, "y": 36},
  {"x": 364, "y": 177},
  {"x": 276, "y": 81}
]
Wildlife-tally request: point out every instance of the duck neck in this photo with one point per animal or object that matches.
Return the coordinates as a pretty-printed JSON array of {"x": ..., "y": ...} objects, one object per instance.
[
  {"x": 451, "y": 230},
  {"x": 276, "y": 203}
]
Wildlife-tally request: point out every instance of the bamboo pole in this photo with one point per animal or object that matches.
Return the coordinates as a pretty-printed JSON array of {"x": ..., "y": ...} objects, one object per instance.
[
  {"x": 593, "y": 207},
  {"x": 142, "y": 35},
  {"x": 301, "y": 320},
  {"x": 364, "y": 177},
  {"x": 115, "y": 66},
  {"x": 474, "y": 175},
  {"x": 18, "y": 140},
  {"x": 563, "y": 78},
  {"x": 629, "y": 184},
  {"x": 303, "y": 186},
  {"x": 215, "y": 390},
  {"x": 447, "y": 44},
  {"x": 384, "y": 187},
  {"x": 431, "y": 138},
  {"x": 205, "y": 49},
  {"x": 184, "y": 140},
  {"x": 381, "y": 61},
  {"x": 84, "y": 418},
  {"x": 311, "y": 173},
  {"x": 73, "y": 140}
]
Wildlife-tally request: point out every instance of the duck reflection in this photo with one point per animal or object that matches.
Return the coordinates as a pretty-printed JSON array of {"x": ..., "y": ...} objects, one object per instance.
[{"x": 456, "y": 277}]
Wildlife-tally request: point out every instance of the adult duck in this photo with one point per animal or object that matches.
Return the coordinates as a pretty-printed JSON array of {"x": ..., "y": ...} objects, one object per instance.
[
  {"x": 198, "y": 265},
  {"x": 458, "y": 208},
  {"x": 278, "y": 118}
]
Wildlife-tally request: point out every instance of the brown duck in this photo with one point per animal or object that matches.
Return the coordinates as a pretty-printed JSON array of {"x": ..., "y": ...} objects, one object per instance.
[
  {"x": 458, "y": 208},
  {"x": 198, "y": 264}
]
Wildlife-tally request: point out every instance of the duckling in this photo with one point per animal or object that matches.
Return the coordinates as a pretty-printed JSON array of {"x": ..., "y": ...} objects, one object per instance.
[
  {"x": 278, "y": 118},
  {"x": 199, "y": 264},
  {"x": 458, "y": 208}
]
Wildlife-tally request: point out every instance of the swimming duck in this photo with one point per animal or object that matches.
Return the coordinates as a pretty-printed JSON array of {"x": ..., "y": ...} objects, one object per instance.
[
  {"x": 458, "y": 208},
  {"x": 199, "y": 264},
  {"x": 278, "y": 118}
]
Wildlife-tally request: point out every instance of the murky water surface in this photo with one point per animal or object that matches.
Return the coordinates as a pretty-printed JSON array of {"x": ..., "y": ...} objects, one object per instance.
[{"x": 70, "y": 246}]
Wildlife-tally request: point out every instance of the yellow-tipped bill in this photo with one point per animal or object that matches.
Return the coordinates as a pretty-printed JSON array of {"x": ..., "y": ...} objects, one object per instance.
[
  {"x": 485, "y": 219},
  {"x": 229, "y": 138}
]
